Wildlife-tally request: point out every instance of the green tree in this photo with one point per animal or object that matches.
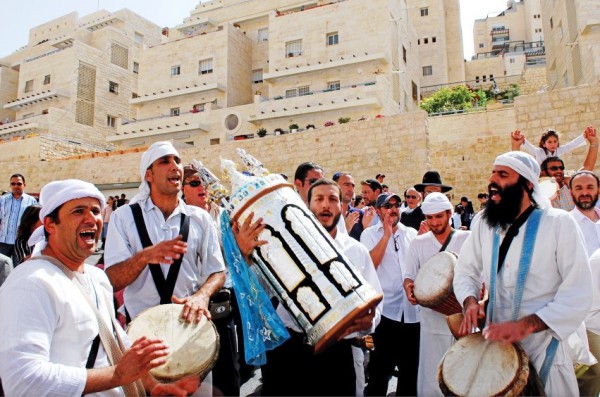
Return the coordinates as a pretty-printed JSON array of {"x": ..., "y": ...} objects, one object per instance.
[{"x": 459, "y": 97}]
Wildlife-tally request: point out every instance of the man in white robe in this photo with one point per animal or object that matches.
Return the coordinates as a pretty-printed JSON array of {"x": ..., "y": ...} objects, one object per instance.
[
  {"x": 436, "y": 338},
  {"x": 557, "y": 291}
]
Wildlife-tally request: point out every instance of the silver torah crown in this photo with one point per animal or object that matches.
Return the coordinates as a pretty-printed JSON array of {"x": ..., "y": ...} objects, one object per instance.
[
  {"x": 210, "y": 181},
  {"x": 252, "y": 164}
]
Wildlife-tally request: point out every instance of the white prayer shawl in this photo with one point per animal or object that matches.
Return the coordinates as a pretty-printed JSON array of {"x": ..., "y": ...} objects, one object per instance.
[
  {"x": 558, "y": 287},
  {"x": 436, "y": 338}
]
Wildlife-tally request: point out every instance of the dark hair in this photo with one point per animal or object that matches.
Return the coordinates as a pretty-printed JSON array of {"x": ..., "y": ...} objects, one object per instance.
[
  {"x": 544, "y": 165},
  {"x": 583, "y": 172},
  {"x": 357, "y": 199},
  {"x": 17, "y": 176},
  {"x": 547, "y": 135},
  {"x": 336, "y": 177},
  {"x": 384, "y": 186},
  {"x": 464, "y": 198},
  {"x": 323, "y": 181},
  {"x": 373, "y": 184},
  {"x": 28, "y": 219},
  {"x": 53, "y": 217},
  {"x": 482, "y": 195},
  {"x": 303, "y": 169}
]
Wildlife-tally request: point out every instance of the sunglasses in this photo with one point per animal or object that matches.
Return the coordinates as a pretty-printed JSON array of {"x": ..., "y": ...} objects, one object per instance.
[
  {"x": 390, "y": 205},
  {"x": 557, "y": 167},
  {"x": 311, "y": 180},
  {"x": 411, "y": 197},
  {"x": 16, "y": 184},
  {"x": 194, "y": 183}
]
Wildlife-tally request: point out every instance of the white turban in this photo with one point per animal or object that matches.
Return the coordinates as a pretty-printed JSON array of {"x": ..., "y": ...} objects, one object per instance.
[
  {"x": 526, "y": 166},
  {"x": 435, "y": 203},
  {"x": 55, "y": 194},
  {"x": 154, "y": 152}
]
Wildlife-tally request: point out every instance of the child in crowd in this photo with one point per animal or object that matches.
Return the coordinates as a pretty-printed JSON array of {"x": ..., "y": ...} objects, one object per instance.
[{"x": 549, "y": 145}]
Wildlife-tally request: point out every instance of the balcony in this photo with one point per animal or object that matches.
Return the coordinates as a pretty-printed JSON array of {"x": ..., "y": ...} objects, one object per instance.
[
  {"x": 34, "y": 98},
  {"x": 159, "y": 125},
  {"x": 20, "y": 128},
  {"x": 285, "y": 69},
  {"x": 358, "y": 95},
  {"x": 173, "y": 92},
  {"x": 99, "y": 23}
]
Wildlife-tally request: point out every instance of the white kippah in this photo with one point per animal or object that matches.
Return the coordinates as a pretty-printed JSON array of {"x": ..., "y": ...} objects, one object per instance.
[
  {"x": 56, "y": 193},
  {"x": 526, "y": 166},
  {"x": 435, "y": 203},
  {"x": 154, "y": 152}
]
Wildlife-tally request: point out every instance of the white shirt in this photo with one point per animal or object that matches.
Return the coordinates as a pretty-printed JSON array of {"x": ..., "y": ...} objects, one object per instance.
[
  {"x": 391, "y": 271},
  {"x": 592, "y": 321},
  {"x": 589, "y": 229},
  {"x": 360, "y": 258},
  {"x": 557, "y": 290},
  {"x": 421, "y": 249},
  {"x": 47, "y": 330},
  {"x": 203, "y": 256}
]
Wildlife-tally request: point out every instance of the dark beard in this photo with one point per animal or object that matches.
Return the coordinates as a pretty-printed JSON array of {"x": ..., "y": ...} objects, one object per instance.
[
  {"x": 336, "y": 220},
  {"x": 586, "y": 206},
  {"x": 506, "y": 211}
]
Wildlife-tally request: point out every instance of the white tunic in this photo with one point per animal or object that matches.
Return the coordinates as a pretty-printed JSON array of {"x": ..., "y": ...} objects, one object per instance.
[
  {"x": 47, "y": 330},
  {"x": 435, "y": 338},
  {"x": 557, "y": 290}
]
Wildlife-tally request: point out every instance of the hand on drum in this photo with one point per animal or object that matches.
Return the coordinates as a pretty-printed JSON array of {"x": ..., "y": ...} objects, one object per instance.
[
  {"x": 247, "y": 234},
  {"x": 141, "y": 357},
  {"x": 514, "y": 331},
  {"x": 474, "y": 312},
  {"x": 194, "y": 307},
  {"x": 361, "y": 323},
  {"x": 409, "y": 287},
  {"x": 166, "y": 252},
  {"x": 182, "y": 387}
]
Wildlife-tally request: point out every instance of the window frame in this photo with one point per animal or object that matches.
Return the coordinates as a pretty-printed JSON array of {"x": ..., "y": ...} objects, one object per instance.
[
  {"x": 175, "y": 70},
  {"x": 290, "y": 51},
  {"x": 427, "y": 70},
  {"x": 113, "y": 87},
  {"x": 205, "y": 66},
  {"x": 332, "y": 38}
]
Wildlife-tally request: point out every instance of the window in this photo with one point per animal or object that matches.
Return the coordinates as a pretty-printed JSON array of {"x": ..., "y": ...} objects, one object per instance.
[
  {"x": 424, "y": 11},
  {"x": 136, "y": 67},
  {"x": 484, "y": 78},
  {"x": 332, "y": 38},
  {"x": 551, "y": 24},
  {"x": 433, "y": 39},
  {"x": 512, "y": 60},
  {"x": 199, "y": 107},
  {"x": 174, "y": 111},
  {"x": 257, "y": 76},
  {"x": 28, "y": 86},
  {"x": 427, "y": 70},
  {"x": 111, "y": 121},
  {"x": 113, "y": 87},
  {"x": 293, "y": 48},
  {"x": 215, "y": 141},
  {"x": 175, "y": 70},
  {"x": 418, "y": 41},
  {"x": 47, "y": 79},
  {"x": 477, "y": 79},
  {"x": 304, "y": 90},
  {"x": 415, "y": 92},
  {"x": 426, "y": 40},
  {"x": 404, "y": 53},
  {"x": 119, "y": 56},
  {"x": 139, "y": 38},
  {"x": 491, "y": 77},
  {"x": 481, "y": 45},
  {"x": 205, "y": 66},
  {"x": 291, "y": 93},
  {"x": 333, "y": 85},
  {"x": 263, "y": 34}
]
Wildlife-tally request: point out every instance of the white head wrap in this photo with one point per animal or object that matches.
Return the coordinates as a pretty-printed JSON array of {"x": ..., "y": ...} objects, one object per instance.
[
  {"x": 526, "y": 166},
  {"x": 154, "y": 152},
  {"x": 55, "y": 194},
  {"x": 435, "y": 203}
]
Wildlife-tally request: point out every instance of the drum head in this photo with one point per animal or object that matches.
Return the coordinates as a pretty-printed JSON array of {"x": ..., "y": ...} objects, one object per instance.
[
  {"x": 548, "y": 187},
  {"x": 474, "y": 366},
  {"x": 193, "y": 347},
  {"x": 433, "y": 283}
]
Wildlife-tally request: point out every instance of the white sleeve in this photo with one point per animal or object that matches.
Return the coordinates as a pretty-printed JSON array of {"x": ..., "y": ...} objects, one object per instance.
[
  {"x": 411, "y": 261},
  {"x": 469, "y": 268},
  {"x": 572, "y": 145}
]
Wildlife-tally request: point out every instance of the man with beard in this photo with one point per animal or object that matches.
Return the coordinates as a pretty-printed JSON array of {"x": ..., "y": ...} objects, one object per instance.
[
  {"x": 306, "y": 174},
  {"x": 584, "y": 187},
  {"x": 370, "y": 190},
  {"x": 388, "y": 243},
  {"x": 355, "y": 220},
  {"x": 536, "y": 270},
  {"x": 293, "y": 368},
  {"x": 435, "y": 336}
]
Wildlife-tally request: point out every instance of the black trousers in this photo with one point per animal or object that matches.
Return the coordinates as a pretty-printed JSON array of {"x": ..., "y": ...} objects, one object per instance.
[
  {"x": 396, "y": 344},
  {"x": 226, "y": 372},
  {"x": 293, "y": 370}
]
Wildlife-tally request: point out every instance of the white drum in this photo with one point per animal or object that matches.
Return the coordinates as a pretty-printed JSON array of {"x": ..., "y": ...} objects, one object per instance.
[
  {"x": 194, "y": 347},
  {"x": 433, "y": 284},
  {"x": 548, "y": 187}
]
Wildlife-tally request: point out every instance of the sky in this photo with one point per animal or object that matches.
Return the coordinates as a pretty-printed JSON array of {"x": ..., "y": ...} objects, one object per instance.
[{"x": 21, "y": 15}]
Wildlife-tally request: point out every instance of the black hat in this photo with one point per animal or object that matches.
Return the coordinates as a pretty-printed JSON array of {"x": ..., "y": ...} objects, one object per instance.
[{"x": 432, "y": 178}]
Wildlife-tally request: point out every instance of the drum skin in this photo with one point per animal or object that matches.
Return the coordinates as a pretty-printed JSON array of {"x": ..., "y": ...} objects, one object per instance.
[
  {"x": 194, "y": 347},
  {"x": 433, "y": 284},
  {"x": 474, "y": 366}
]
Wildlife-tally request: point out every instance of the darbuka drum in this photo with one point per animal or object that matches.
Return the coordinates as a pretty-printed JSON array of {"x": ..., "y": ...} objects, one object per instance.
[
  {"x": 474, "y": 366},
  {"x": 193, "y": 347},
  {"x": 433, "y": 284},
  {"x": 548, "y": 187}
]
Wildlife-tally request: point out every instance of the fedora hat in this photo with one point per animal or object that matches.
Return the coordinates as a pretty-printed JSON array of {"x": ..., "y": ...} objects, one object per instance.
[{"x": 432, "y": 178}]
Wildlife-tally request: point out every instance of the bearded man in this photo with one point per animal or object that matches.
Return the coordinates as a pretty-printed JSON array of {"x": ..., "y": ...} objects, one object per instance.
[{"x": 534, "y": 263}]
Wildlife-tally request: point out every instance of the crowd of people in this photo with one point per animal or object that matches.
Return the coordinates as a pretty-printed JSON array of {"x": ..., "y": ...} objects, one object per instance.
[{"x": 525, "y": 273}]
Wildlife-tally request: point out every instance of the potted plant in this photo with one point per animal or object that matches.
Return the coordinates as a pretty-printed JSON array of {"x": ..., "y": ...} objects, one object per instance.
[
  {"x": 310, "y": 127},
  {"x": 329, "y": 123},
  {"x": 294, "y": 127},
  {"x": 343, "y": 120},
  {"x": 278, "y": 131},
  {"x": 261, "y": 132}
]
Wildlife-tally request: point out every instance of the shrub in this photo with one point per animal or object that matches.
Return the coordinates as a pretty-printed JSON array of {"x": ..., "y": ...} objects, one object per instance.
[
  {"x": 293, "y": 126},
  {"x": 261, "y": 132},
  {"x": 343, "y": 120}
]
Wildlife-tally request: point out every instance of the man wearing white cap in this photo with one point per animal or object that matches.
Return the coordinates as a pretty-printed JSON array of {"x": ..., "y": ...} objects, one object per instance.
[
  {"x": 435, "y": 335},
  {"x": 535, "y": 266},
  {"x": 48, "y": 310},
  {"x": 163, "y": 268}
]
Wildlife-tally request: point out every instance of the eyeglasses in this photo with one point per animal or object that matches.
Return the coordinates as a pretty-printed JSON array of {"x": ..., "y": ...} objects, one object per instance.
[
  {"x": 194, "y": 183},
  {"x": 556, "y": 168},
  {"x": 311, "y": 180},
  {"x": 397, "y": 243},
  {"x": 412, "y": 197},
  {"x": 16, "y": 184},
  {"x": 390, "y": 205}
]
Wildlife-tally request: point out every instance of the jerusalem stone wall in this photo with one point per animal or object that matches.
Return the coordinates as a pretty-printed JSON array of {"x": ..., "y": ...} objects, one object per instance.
[{"x": 462, "y": 147}]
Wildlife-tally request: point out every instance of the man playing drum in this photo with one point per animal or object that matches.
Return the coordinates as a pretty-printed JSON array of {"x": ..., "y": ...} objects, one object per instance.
[
  {"x": 435, "y": 335},
  {"x": 535, "y": 266},
  {"x": 133, "y": 265},
  {"x": 58, "y": 322}
]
